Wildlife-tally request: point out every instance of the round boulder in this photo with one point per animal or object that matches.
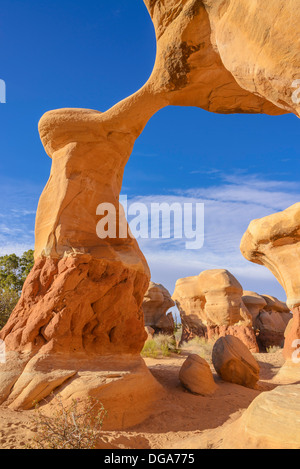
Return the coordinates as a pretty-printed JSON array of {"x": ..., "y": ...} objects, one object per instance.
[
  {"x": 196, "y": 376},
  {"x": 234, "y": 363}
]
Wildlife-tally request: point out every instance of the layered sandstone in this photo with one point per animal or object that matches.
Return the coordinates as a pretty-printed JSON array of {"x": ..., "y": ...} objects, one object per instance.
[
  {"x": 157, "y": 302},
  {"x": 189, "y": 69},
  {"x": 271, "y": 422},
  {"x": 80, "y": 319},
  {"x": 79, "y": 325},
  {"x": 210, "y": 304},
  {"x": 196, "y": 376},
  {"x": 234, "y": 363},
  {"x": 254, "y": 43},
  {"x": 274, "y": 241}
]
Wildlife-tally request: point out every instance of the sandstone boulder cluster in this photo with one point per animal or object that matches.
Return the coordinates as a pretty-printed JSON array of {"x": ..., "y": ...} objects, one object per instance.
[
  {"x": 213, "y": 304},
  {"x": 210, "y": 304},
  {"x": 232, "y": 361}
]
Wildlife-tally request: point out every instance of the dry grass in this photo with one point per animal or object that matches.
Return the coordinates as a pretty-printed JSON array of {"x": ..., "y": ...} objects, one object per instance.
[
  {"x": 273, "y": 349},
  {"x": 75, "y": 427},
  {"x": 201, "y": 347}
]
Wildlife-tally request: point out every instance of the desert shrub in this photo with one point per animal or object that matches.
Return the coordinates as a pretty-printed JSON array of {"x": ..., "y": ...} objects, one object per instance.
[
  {"x": 150, "y": 349},
  {"x": 75, "y": 427},
  {"x": 8, "y": 301},
  {"x": 200, "y": 346},
  {"x": 160, "y": 346}
]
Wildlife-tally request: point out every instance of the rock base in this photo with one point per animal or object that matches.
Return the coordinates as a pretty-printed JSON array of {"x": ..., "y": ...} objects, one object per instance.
[{"x": 124, "y": 386}]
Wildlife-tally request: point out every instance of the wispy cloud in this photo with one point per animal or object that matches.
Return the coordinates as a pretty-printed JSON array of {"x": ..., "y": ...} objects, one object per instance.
[
  {"x": 230, "y": 205},
  {"x": 229, "y": 208},
  {"x": 18, "y": 205}
]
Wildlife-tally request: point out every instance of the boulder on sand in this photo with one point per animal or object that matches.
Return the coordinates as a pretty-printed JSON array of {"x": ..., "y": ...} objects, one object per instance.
[
  {"x": 234, "y": 363},
  {"x": 196, "y": 376}
]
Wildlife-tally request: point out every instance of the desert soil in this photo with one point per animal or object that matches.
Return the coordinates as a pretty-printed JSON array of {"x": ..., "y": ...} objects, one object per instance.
[{"x": 180, "y": 420}]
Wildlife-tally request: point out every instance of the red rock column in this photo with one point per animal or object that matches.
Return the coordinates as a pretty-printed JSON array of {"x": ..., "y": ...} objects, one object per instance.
[{"x": 78, "y": 328}]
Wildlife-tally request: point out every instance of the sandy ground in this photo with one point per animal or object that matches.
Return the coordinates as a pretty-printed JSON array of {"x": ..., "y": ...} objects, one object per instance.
[{"x": 180, "y": 420}]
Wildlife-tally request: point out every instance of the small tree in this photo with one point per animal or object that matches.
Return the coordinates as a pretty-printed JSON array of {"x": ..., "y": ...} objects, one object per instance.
[
  {"x": 8, "y": 301},
  {"x": 13, "y": 273},
  {"x": 14, "y": 270}
]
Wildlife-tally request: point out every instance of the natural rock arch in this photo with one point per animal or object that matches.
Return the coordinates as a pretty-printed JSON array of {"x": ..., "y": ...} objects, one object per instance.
[{"x": 78, "y": 328}]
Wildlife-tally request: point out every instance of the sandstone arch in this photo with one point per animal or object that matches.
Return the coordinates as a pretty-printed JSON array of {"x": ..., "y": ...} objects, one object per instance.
[{"x": 69, "y": 331}]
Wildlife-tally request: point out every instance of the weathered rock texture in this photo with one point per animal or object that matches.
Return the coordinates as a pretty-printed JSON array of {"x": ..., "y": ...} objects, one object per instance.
[
  {"x": 254, "y": 44},
  {"x": 157, "y": 302},
  {"x": 189, "y": 69},
  {"x": 270, "y": 318},
  {"x": 274, "y": 241},
  {"x": 83, "y": 298},
  {"x": 84, "y": 294},
  {"x": 150, "y": 332},
  {"x": 210, "y": 305},
  {"x": 234, "y": 363},
  {"x": 196, "y": 376},
  {"x": 271, "y": 422}
]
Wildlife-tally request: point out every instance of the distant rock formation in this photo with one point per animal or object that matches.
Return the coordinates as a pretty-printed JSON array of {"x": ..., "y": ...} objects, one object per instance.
[
  {"x": 270, "y": 318},
  {"x": 157, "y": 302},
  {"x": 210, "y": 304},
  {"x": 274, "y": 241}
]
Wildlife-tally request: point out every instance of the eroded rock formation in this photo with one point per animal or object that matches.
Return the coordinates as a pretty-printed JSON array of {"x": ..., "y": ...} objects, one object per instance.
[
  {"x": 270, "y": 318},
  {"x": 78, "y": 328},
  {"x": 157, "y": 302},
  {"x": 210, "y": 304},
  {"x": 80, "y": 319},
  {"x": 254, "y": 43},
  {"x": 274, "y": 241},
  {"x": 271, "y": 422}
]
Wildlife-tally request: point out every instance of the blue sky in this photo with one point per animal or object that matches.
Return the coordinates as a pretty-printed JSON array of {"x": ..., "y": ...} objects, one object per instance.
[{"x": 92, "y": 54}]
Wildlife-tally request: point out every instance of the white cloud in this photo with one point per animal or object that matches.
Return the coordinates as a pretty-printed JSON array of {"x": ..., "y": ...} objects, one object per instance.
[{"x": 229, "y": 208}]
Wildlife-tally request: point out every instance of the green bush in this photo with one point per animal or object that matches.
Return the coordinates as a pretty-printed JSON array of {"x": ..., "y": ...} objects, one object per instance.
[
  {"x": 160, "y": 346},
  {"x": 13, "y": 273},
  {"x": 14, "y": 270},
  {"x": 8, "y": 301}
]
